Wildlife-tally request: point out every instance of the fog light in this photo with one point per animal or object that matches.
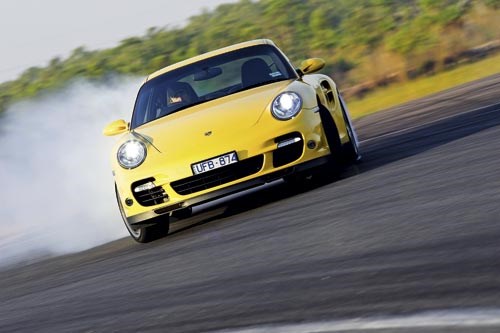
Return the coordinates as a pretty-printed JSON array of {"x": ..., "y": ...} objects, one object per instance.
[
  {"x": 311, "y": 144},
  {"x": 129, "y": 202},
  {"x": 144, "y": 187},
  {"x": 288, "y": 142}
]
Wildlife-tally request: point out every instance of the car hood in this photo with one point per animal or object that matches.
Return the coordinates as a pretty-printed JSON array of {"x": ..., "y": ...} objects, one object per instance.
[{"x": 211, "y": 123}]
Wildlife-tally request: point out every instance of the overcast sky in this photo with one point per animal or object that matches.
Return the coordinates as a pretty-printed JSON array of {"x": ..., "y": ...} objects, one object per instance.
[{"x": 34, "y": 31}]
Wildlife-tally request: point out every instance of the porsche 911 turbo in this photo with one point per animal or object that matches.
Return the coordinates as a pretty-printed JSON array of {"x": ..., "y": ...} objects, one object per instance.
[{"x": 220, "y": 123}]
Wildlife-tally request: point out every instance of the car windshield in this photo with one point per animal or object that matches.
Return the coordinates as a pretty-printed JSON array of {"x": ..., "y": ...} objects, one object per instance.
[{"x": 210, "y": 79}]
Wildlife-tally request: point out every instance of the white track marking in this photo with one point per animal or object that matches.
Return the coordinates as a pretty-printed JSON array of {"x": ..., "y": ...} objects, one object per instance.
[
  {"x": 431, "y": 319},
  {"x": 430, "y": 122}
]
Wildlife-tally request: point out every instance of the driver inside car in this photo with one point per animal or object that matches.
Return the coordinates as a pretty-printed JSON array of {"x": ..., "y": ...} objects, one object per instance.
[{"x": 178, "y": 95}]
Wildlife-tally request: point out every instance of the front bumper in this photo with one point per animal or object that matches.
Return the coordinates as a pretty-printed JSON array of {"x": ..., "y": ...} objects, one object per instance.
[{"x": 142, "y": 218}]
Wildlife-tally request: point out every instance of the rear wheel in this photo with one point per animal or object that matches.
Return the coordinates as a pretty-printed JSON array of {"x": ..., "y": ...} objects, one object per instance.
[
  {"x": 351, "y": 149},
  {"x": 158, "y": 229}
]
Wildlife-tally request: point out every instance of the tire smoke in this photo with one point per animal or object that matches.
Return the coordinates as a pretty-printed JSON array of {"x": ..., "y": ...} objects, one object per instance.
[{"x": 58, "y": 194}]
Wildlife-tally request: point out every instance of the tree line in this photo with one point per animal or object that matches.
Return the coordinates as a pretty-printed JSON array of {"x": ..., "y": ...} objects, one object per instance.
[{"x": 361, "y": 40}]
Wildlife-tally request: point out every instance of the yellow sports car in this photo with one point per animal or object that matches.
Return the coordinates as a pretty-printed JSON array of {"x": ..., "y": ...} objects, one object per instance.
[{"x": 222, "y": 122}]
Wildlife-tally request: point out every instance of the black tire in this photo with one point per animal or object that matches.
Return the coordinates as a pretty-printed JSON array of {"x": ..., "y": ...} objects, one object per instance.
[
  {"x": 305, "y": 180},
  {"x": 351, "y": 149},
  {"x": 158, "y": 229},
  {"x": 333, "y": 139}
]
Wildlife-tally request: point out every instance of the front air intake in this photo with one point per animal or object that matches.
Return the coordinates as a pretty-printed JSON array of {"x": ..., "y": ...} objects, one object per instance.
[
  {"x": 207, "y": 180},
  {"x": 290, "y": 148},
  {"x": 147, "y": 193}
]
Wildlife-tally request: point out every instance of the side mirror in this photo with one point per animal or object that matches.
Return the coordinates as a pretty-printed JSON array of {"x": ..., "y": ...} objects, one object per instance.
[
  {"x": 310, "y": 66},
  {"x": 116, "y": 127}
]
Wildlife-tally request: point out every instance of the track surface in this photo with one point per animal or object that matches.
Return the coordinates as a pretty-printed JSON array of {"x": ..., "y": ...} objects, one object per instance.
[{"x": 415, "y": 227}]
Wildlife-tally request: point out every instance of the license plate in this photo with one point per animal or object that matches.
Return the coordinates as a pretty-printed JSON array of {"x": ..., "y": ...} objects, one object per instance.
[{"x": 214, "y": 163}]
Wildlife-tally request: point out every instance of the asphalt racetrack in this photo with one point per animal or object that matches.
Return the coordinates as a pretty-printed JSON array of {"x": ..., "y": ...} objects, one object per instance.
[{"x": 411, "y": 235}]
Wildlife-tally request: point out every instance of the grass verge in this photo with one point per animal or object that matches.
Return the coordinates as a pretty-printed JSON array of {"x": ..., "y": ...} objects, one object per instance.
[{"x": 395, "y": 94}]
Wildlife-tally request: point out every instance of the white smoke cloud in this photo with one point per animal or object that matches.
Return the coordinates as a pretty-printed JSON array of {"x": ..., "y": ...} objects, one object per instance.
[{"x": 57, "y": 191}]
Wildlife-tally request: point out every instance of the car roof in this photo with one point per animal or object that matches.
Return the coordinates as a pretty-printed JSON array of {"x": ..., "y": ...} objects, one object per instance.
[{"x": 209, "y": 55}]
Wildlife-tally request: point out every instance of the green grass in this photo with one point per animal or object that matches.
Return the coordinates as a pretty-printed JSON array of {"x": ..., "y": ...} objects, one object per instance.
[{"x": 395, "y": 94}]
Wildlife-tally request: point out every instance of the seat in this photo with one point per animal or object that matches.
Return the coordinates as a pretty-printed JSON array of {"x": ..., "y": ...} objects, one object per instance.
[{"x": 254, "y": 71}]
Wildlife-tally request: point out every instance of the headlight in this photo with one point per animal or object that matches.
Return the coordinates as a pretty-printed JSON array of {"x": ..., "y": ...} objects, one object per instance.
[
  {"x": 131, "y": 154},
  {"x": 286, "y": 105}
]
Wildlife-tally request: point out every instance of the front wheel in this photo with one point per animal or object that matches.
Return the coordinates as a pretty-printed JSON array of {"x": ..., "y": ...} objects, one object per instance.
[
  {"x": 351, "y": 149},
  {"x": 334, "y": 165},
  {"x": 158, "y": 229}
]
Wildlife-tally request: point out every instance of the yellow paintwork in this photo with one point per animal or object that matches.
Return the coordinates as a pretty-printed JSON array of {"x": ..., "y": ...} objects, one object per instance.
[
  {"x": 311, "y": 65},
  {"x": 240, "y": 122},
  {"x": 115, "y": 127}
]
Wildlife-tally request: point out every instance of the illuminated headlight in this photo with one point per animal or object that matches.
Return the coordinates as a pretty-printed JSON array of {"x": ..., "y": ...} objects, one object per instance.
[
  {"x": 286, "y": 105},
  {"x": 131, "y": 154}
]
